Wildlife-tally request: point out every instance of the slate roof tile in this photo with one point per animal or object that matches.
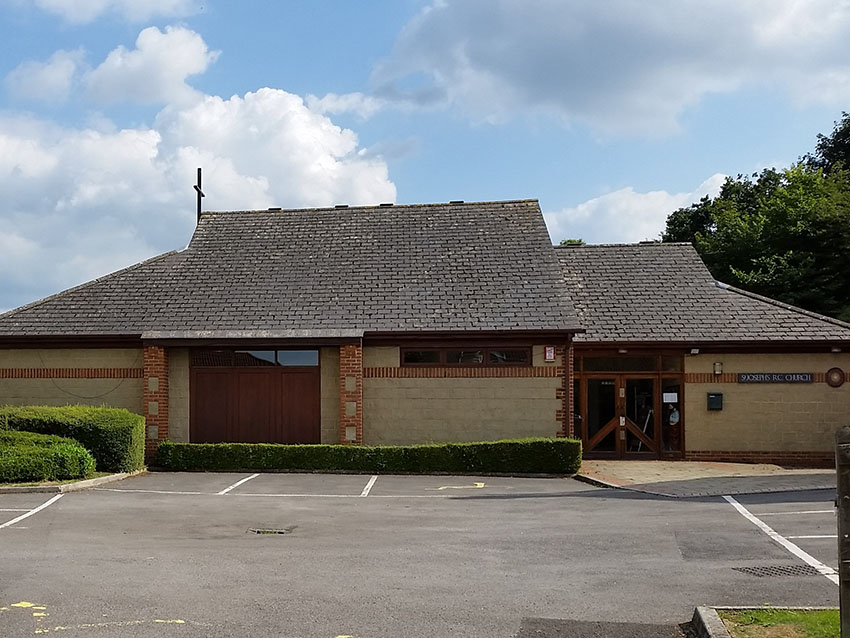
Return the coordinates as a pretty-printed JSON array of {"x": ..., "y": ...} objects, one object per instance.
[
  {"x": 663, "y": 293},
  {"x": 461, "y": 267}
]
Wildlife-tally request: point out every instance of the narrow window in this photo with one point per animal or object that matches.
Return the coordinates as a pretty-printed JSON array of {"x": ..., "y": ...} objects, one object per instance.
[
  {"x": 298, "y": 357},
  {"x": 420, "y": 357},
  {"x": 514, "y": 356}
]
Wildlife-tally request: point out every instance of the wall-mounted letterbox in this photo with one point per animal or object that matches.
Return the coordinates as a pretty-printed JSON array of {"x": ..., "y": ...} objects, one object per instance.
[{"x": 715, "y": 400}]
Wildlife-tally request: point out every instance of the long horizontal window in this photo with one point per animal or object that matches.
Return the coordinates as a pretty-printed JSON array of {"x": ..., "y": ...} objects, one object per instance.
[
  {"x": 254, "y": 358},
  {"x": 465, "y": 356}
]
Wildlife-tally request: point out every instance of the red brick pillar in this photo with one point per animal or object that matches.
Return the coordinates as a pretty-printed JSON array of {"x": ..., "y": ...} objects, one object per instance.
[
  {"x": 568, "y": 379},
  {"x": 155, "y": 398},
  {"x": 564, "y": 414},
  {"x": 351, "y": 394}
]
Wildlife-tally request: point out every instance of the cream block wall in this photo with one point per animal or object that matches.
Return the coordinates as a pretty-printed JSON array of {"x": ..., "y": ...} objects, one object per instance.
[
  {"x": 766, "y": 416},
  {"x": 381, "y": 357},
  {"x": 329, "y": 363},
  {"x": 408, "y": 411},
  {"x": 178, "y": 395},
  {"x": 72, "y": 358},
  {"x": 118, "y": 393}
]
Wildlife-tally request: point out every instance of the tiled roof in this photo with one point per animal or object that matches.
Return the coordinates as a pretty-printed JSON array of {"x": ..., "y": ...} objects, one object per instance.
[
  {"x": 658, "y": 292},
  {"x": 485, "y": 266}
]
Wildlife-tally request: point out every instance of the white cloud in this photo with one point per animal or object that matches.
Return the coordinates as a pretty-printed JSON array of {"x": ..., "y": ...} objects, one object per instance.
[
  {"x": 362, "y": 105},
  {"x": 155, "y": 71},
  {"x": 625, "y": 215},
  {"x": 619, "y": 66},
  {"x": 82, "y": 202},
  {"x": 83, "y": 11},
  {"x": 49, "y": 81}
]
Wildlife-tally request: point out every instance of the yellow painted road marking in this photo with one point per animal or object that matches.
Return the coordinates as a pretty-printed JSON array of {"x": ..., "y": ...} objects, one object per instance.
[
  {"x": 39, "y": 613},
  {"x": 23, "y": 603},
  {"x": 172, "y": 622},
  {"x": 476, "y": 486}
]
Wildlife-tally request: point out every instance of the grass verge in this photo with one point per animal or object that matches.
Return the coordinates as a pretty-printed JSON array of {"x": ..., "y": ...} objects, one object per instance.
[
  {"x": 781, "y": 623},
  {"x": 93, "y": 475}
]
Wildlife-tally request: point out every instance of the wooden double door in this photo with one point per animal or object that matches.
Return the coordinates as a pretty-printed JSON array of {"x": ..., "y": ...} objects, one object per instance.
[
  {"x": 255, "y": 405},
  {"x": 630, "y": 416}
]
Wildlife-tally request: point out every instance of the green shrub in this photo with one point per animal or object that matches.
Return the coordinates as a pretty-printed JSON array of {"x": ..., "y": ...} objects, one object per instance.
[
  {"x": 115, "y": 437},
  {"x": 30, "y": 457},
  {"x": 520, "y": 456}
]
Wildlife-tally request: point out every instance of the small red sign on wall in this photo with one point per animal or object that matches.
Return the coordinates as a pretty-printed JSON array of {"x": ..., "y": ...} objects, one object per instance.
[{"x": 549, "y": 353}]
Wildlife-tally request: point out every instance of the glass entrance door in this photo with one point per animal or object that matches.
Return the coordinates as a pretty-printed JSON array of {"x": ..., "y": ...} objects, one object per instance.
[
  {"x": 621, "y": 416},
  {"x": 640, "y": 422}
]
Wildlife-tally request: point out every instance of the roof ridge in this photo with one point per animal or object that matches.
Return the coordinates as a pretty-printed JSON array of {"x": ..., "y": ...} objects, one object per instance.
[
  {"x": 455, "y": 204},
  {"x": 626, "y": 245},
  {"x": 782, "y": 304},
  {"x": 84, "y": 285}
]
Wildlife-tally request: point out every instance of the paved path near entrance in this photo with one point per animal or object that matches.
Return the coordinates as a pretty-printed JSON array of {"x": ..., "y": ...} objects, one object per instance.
[{"x": 698, "y": 478}]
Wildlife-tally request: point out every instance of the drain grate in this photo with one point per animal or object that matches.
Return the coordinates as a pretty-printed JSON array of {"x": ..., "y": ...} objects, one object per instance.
[
  {"x": 778, "y": 571},
  {"x": 270, "y": 530}
]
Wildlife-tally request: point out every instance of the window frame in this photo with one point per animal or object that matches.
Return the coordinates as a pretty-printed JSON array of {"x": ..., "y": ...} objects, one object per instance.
[{"x": 485, "y": 362}]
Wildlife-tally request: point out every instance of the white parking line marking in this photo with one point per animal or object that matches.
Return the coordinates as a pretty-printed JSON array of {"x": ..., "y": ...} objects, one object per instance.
[
  {"x": 14, "y": 509},
  {"x": 815, "y": 536},
  {"x": 237, "y": 484},
  {"x": 35, "y": 510},
  {"x": 832, "y": 511},
  {"x": 369, "y": 485},
  {"x": 825, "y": 570}
]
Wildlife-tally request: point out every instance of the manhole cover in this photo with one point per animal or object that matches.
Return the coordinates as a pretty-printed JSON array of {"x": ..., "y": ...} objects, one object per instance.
[
  {"x": 778, "y": 571},
  {"x": 271, "y": 530}
]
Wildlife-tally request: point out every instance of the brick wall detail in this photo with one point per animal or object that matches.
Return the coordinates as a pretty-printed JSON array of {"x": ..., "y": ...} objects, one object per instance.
[
  {"x": 564, "y": 393},
  {"x": 351, "y": 394},
  {"x": 788, "y": 459},
  {"x": 477, "y": 372},
  {"x": 71, "y": 373},
  {"x": 155, "y": 398}
]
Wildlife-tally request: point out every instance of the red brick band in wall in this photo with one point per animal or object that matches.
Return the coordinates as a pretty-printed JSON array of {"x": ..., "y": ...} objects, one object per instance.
[
  {"x": 797, "y": 459},
  {"x": 731, "y": 377},
  {"x": 71, "y": 373},
  {"x": 462, "y": 373}
]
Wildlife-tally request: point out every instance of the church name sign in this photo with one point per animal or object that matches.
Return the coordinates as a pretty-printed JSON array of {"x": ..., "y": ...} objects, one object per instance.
[{"x": 776, "y": 377}]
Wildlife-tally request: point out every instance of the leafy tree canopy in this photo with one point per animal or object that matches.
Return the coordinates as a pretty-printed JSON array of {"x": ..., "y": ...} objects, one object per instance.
[
  {"x": 572, "y": 242},
  {"x": 781, "y": 233}
]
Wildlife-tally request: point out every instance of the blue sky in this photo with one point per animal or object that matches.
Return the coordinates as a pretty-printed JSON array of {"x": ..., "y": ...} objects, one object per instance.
[{"x": 611, "y": 114}]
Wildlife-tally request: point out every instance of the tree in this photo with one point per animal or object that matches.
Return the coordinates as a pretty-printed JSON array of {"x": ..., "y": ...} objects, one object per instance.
[
  {"x": 783, "y": 234},
  {"x": 832, "y": 152},
  {"x": 572, "y": 242}
]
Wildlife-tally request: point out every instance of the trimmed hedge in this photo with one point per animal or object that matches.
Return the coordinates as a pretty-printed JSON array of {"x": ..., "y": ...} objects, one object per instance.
[
  {"x": 29, "y": 457},
  {"x": 115, "y": 437},
  {"x": 521, "y": 456}
]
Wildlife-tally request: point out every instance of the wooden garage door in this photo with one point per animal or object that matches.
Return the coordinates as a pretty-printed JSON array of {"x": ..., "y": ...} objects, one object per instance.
[{"x": 255, "y": 397}]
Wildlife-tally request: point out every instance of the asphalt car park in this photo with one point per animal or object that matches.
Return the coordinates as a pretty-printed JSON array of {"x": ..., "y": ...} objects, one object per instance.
[{"x": 355, "y": 555}]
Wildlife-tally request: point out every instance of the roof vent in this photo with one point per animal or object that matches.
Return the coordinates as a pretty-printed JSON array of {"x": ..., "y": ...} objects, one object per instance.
[
  {"x": 275, "y": 208},
  {"x": 385, "y": 205},
  {"x": 456, "y": 201},
  {"x": 341, "y": 206}
]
